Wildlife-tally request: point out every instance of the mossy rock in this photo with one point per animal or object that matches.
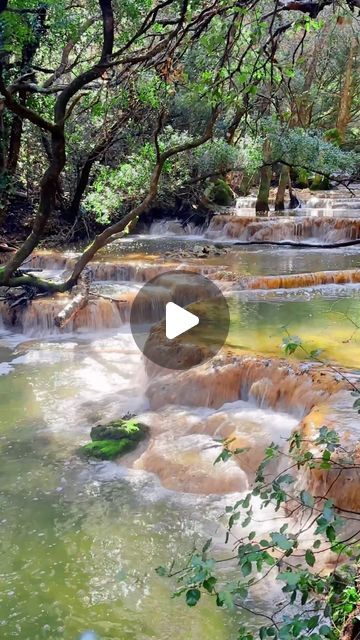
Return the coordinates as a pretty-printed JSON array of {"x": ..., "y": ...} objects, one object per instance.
[
  {"x": 113, "y": 439},
  {"x": 120, "y": 429},
  {"x": 220, "y": 193},
  {"x": 320, "y": 183},
  {"x": 107, "y": 449}
]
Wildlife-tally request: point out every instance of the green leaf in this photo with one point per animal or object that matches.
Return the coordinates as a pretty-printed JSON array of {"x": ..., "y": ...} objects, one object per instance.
[
  {"x": 224, "y": 456},
  {"x": 310, "y": 558},
  {"x": 225, "y": 599},
  {"x": 312, "y": 622},
  {"x": 315, "y": 353},
  {"x": 246, "y": 568},
  {"x": 281, "y": 541},
  {"x": 290, "y": 577},
  {"x": 286, "y": 479},
  {"x": 307, "y": 499},
  {"x": 209, "y": 584},
  {"x": 246, "y": 501},
  {"x": 192, "y": 597},
  {"x": 331, "y": 533}
]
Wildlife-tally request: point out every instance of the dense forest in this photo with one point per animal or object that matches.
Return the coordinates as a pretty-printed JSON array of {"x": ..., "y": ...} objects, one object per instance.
[
  {"x": 139, "y": 139},
  {"x": 103, "y": 116}
]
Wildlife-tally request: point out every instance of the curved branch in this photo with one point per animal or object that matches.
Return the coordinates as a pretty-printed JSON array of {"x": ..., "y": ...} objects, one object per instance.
[
  {"x": 96, "y": 71},
  {"x": 24, "y": 112}
]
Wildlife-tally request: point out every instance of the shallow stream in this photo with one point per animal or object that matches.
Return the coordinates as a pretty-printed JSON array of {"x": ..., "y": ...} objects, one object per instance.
[{"x": 80, "y": 541}]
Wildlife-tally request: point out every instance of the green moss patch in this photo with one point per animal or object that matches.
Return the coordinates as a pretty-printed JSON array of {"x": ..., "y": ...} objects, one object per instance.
[
  {"x": 118, "y": 430},
  {"x": 220, "y": 193},
  {"x": 113, "y": 439},
  {"x": 320, "y": 183}
]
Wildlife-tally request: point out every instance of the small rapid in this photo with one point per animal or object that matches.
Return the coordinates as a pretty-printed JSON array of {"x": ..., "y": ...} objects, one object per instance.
[{"x": 80, "y": 540}]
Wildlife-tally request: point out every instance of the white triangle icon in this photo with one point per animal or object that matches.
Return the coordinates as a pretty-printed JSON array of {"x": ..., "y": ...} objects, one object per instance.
[{"x": 178, "y": 320}]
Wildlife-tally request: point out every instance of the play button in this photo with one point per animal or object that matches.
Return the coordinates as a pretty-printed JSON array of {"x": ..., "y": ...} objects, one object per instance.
[{"x": 179, "y": 319}]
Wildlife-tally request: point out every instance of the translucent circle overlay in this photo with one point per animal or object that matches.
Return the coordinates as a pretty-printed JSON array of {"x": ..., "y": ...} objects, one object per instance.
[{"x": 196, "y": 294}]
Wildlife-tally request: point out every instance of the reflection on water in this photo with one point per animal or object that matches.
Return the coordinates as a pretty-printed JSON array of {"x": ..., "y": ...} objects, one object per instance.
[{"x": 321, "y": 322}]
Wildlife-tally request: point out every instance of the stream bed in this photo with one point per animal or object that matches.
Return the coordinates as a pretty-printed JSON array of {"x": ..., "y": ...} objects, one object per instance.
[{"x": 80, "y": 541}]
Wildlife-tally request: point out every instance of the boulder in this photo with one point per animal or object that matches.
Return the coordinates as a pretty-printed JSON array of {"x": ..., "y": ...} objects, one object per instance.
[
  {"x": 220, "y": 193},
  {"x": 119, "y": 430},
  {"x": 115, "y": 438}
]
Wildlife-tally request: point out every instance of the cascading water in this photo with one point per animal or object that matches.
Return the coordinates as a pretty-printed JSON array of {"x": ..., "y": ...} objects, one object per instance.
[
  {"x": 327, "y": 217},
  {"x": 175, "y": 228},
  {"x": 69, "y": 519},
  {"x": 222, "y": 227},
  {"x": 326, "y": 230}
]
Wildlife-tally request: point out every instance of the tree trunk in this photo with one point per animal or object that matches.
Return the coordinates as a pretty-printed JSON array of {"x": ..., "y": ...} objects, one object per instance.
[
  {"x": 283, "y": 183},
  {"x": 346, "y": 92},
  {"x": 73, "y": 211},
  {"x": 50, "y": 180},
  {"x": 48, "y": 191},
  {"x": 234, "y": 124},
  {"x": 96, "y": 153},
  {"x": 304, "y": 101},
  {"x": 15, "y": 144},
  {"x": 15, "y": 139},
  {"x": 294, "y": 200},
  {"x": 262, "y": 202},
  {"x": 3, "y": 170}
]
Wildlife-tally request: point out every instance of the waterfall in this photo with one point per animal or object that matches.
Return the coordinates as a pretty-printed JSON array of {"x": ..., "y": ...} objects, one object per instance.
[
  {"x": 326, "y": 230},
  {"x": 298, "y": 280},
  {"x": 174, "y": 228},
  {"x": 237, "y": 398}
]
